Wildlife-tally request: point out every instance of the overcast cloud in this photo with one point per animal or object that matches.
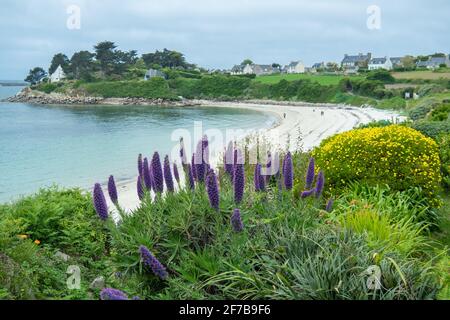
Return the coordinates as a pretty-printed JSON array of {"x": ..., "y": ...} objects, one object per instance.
[{"x": 218, "y": 34}]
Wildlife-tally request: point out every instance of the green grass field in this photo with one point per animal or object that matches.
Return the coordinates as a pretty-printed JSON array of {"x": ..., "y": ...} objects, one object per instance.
[{"x": 322, "y": 79}]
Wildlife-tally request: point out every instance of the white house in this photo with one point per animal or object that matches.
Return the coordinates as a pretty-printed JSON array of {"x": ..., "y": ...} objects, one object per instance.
[
  {"x": 152, "y": 73},
  {"x": 380, "y": 63},
  {"x": 295, "y": 67},
  {"x": 58, "y": 75},
  {"x": 259, "y": 69}
]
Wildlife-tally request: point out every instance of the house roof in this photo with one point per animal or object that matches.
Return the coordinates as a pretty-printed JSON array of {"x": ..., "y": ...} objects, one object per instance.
[
  {"x": 318, "y": 65},
  {"x": 378, "y": 60},
  {"x": 293, "y": 63},
  {"x": 356, "y": 59}
]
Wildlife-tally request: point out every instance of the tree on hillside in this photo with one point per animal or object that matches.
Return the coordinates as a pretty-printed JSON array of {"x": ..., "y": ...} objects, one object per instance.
[
  {"x": 408, "y": 62},
  {"x": 82, "y": 64},
  {"x": 246, "y": 62},
  {"x": 35, "y": 75},
  {"x": 123, "y": 60},
  {"x": 166, "y": 59},
  {"x": 276, "y": 65},
  {"x": 106, "y": 56},
  {"x": 59, "y": 59}
]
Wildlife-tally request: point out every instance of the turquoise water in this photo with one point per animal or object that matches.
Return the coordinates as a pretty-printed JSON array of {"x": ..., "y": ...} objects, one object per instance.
[{"x": 81, "y": 145}]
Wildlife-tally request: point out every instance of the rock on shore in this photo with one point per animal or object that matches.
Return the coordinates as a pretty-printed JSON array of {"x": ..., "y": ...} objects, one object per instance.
[{"x": 27, "y": 95}]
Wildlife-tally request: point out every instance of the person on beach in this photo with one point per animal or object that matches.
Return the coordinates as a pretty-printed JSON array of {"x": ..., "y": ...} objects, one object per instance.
[
  {"x": 284, "y": 115},
  {"x": 322, "y": 113}
]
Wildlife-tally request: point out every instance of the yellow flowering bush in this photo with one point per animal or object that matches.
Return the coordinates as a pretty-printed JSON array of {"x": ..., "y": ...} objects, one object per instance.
[{"x": 395, "y": 155}]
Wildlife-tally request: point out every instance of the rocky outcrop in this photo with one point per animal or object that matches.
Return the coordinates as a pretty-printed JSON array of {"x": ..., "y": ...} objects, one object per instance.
[{"x": 27, "y": 95}]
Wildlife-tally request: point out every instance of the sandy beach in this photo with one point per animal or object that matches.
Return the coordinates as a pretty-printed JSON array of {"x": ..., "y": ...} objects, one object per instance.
[{"x": 310, "y": 123}]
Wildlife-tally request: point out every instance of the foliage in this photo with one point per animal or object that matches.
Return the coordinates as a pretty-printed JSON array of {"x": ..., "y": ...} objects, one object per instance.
[
  {"x": 59, "y": 59},
  {"x": 381, "y": 75},
  {"x": 443, "y": 141},
  {"x": 394, "y": 155},
  {"x": 154, "y": 88},
  {"x": 432, "y": 129},
  {"x": 35, "y": 75}
]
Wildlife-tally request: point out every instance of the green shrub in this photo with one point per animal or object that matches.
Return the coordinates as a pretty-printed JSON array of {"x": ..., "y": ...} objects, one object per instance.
[
  {"x": 47, "y": 87},
  {"x": 154, "y": 88},
  {"x": 432, "y": 129},
  {"x": 443, "y": 141},
  {"x": 381, "y": 75},
  {"x": 395, "y": 103},
  {"x": 394, "y": 155}
]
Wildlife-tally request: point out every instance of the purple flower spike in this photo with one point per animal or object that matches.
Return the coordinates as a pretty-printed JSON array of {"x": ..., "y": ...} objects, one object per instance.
[
  {"x": 168, "y": 174},
  {"x": 152, "y": 263},
  {"x": 146, "y": 175},
  {"x": 257, "y": 176},
  {"x": 112, "y": 190},
  {"x": 238, "y": 181},
  {"x": 140, "y": 188},
  {"x": 175, "y": 173},
  {"x": 140, "y": 164},
  {"x": 200, "y": 162},
  {"x": 288, "y": 172},
  {"x": 212, "y": 189},
  {"x": 100, "y": 202},
  {"x": 310, "y": 174},
  {"x": 194, "y": 171},
  {"x": 236, "y": 221},
  {"x": 112, "y": 294},
  {"x": 319, "y": 184},
  {"x": 229, "y": 159},
  {"x": 329, "y": 206},
  {"x": 307, "y": 193},
  {"x": 157, "y": 173},
  {"x": 191, "y": 180}
]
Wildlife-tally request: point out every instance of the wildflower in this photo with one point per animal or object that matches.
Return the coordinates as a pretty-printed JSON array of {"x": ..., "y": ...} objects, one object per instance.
[
  {"x": 212, "y": 189},
  {"x": 151, "y": 262},
  {"x": 288, "y": 172},
  {"x": 194, "y": 171},
  {"x": 319, "y": 184},
  {"x": 100, "y": 202},
  {"x": 175, "y": 173},
  {"x": 22, "y": 236},
  {"x": 236, "y": 221},
  {"x": 168, "y": 174},
  {"x": 140, "y": 165},
  {"x": 38, "y": 242},
  {"x": 140, "y": 188},
  {"x": 229, "y": 159},
  {"x": 112, "y": 294},
  {"x": 157, "y": 173},
  {"x": 112, "y": 190},
  {"x": 238, "y": 182},
  {"x": 200, "y": 162},
  {"x": 146, "y": 175},
  {"x": 256, "y": 176},
  {"x": 310, "y": 174},
  {"x": 191, "y": 181},
  {"x": 329, "y": 206},
  {"x": 307, "y": 193}
]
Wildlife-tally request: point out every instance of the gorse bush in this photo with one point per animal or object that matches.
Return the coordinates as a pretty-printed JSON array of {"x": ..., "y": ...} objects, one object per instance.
[{"x": 395, "y": 155}]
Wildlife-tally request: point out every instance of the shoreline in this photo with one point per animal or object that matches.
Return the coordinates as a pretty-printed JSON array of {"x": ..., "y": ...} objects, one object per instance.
[
  {"x": 299, "y": 124},
  {"x": 303, "y": 123}
]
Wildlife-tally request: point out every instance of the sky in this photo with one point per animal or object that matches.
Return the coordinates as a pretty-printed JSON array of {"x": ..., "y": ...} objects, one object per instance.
[{"x": 216, "y": 34}]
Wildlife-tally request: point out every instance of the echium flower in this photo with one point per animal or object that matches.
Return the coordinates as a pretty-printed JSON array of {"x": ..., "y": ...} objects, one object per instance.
[
  {"x": 320, "y": 184},
  {"x": 191, "y": 181},
  {"x": 194, "y": 171},
  {"x": 310, "y": 174},
  {"x": 112, "y": 294},
  {"x": 140, "y": 164},
  {"x": 175, "y": 173},
  {"x": 112, "y": 190},
  {"x": 100, "y": 202},
  {"x": 236, "y": 221},
  {"x": 152, "y": 263},
  {"x": 257, "y": 176},
  {"x": 229, "y": 159},
  {"x": 262, "y": 182},
  {"x": 140, "y": 188},
  {"x": 329, "y": 206},
  {"x": 307, "y": 193},
  {"x": 212, "y": 189},
  {"x": 200, "y": 167},
  {"x": 157, "y": 173},
  {"x": 288, "y": 171},
  {"x": 146, "y": 175},
  {"x": 238, "y": 182},
  {"x": 168, "y": 174}
]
